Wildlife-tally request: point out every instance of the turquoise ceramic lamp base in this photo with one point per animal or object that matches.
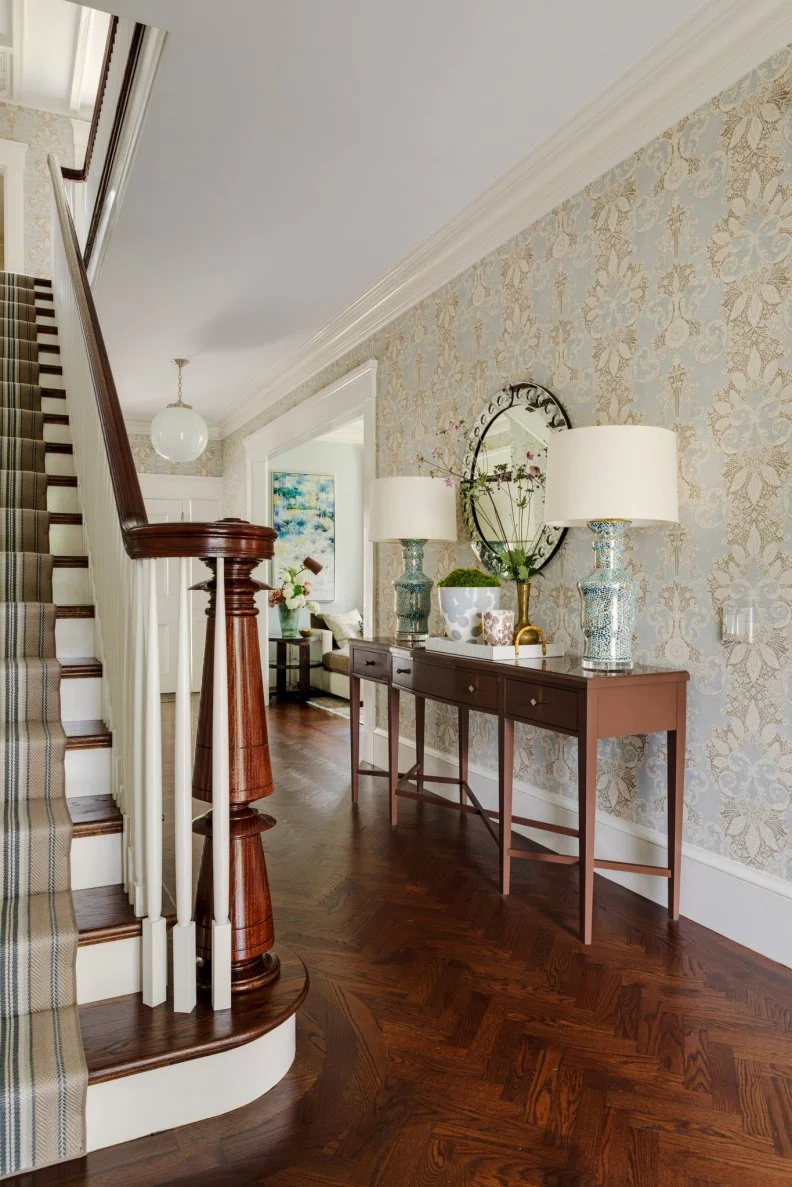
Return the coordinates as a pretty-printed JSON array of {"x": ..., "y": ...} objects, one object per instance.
[
  {"x": 413, "y": 595},
  {"x": 609, "y": 597}
]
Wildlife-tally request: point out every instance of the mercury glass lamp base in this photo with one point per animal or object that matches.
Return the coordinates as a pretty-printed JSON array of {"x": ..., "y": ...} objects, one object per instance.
[{"x": 606, "y": 665}]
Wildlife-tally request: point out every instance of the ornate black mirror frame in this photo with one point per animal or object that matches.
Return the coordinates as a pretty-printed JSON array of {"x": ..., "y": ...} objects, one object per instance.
[{"x": 536, "y": 399}]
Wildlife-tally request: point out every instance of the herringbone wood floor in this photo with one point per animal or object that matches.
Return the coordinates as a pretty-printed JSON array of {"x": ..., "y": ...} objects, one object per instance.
[{"x": 452, "y": 1037}]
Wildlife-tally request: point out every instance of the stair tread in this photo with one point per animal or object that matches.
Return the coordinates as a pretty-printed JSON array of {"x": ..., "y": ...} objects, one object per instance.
[
  {"x": 121, "y": 1036},
  {"x": 58, "y": 447},
  {"x": 61, "y": 479},
  {"x": 75, "y": 612},
  {"x": 70, "y": 562},
  {"x": 94, "y": 815},
  {"x": 72, "y": 517},
  {"x": 104, "y": 913},
  {"x": 80, "y": 667},
  {"x": 87, "y": 735}
]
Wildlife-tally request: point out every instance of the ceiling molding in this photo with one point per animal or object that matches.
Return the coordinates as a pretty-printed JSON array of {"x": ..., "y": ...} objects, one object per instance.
[
  {"x": 721, "y": 42},
  {"x": 140, "y": 426}
]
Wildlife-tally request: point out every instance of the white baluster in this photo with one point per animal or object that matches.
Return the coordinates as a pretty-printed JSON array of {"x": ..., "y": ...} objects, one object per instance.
[
  {"x": 138, "y": 898},
  {"x": 221, "y": 924},
  {"x": 184, "y": 987},
  {"x": 155, "y": 951}
]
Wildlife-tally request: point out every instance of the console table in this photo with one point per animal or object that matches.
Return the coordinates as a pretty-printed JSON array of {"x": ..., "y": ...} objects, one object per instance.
[{"x": 554, "y": 694}]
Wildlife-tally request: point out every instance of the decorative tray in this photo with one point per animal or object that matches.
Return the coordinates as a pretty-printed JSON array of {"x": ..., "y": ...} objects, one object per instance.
[{"x": 485, "y": 651}]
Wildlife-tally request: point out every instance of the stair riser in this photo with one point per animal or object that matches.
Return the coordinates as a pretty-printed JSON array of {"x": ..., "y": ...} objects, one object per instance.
[
  {"x": 63, "y": 498},
  {"x": 59, "y": 463},
  {"x": 67, "y": 539},
  {"x": 89, "y": 772},
  {"x": 108, "y": 970},
  {"x": 74, "y": 637},
  {"x": 81, "y": 699},
  {"x": 71, "y": 587},
  {"x": 96, "y": 861},
  {"x": 59, "y": 433},
  {"x": 53, "y": 404}
]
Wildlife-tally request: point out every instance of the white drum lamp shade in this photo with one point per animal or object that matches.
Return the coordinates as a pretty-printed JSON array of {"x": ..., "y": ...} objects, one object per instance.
[
  {"x": 412, "y": 508},
  {"x": 609, "y": 472}
]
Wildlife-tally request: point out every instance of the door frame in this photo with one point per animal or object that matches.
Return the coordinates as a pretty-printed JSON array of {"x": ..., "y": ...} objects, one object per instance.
[{"x": 351, "y": 396}]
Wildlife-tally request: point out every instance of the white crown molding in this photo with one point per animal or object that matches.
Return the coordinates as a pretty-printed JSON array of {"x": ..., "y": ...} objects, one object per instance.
[
  {"x": 140, "y": 426},
  {"x": 722, "y": 41}
]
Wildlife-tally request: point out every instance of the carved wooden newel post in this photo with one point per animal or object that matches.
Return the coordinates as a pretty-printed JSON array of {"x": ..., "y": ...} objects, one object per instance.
[{"x": 252, "y": 962}]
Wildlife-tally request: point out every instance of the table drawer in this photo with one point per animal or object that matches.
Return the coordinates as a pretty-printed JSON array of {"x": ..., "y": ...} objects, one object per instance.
[
  {"x": 540, "y": 704},
  {"x": 402, "y": 671},
  {"x": 370, "y": 664},
  {"x": 461, "y": 686}
]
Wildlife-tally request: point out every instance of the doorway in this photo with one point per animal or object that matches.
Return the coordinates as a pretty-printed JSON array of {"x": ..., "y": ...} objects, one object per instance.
[{"x": 316, "y": 436}]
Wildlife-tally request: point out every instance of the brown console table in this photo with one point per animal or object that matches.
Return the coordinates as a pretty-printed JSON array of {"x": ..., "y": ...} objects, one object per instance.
[{"x": 554, "y": 694}]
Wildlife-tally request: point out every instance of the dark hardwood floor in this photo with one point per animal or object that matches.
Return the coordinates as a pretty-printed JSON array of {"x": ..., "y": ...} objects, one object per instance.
[{"x": 453, "y": 1037}]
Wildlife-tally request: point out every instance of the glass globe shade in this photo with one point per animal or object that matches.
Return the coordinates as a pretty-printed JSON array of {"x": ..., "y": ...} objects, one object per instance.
[{"x": 179, "y": 433}]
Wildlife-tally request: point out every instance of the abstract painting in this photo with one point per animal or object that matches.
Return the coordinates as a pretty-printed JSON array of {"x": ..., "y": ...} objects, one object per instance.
[{"x": 303, "y": 515}]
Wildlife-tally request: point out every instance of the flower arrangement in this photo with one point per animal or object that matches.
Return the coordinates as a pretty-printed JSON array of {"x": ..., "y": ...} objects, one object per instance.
[
  {"x": 293, "y": 591},
  {"x": 500, "y": 494}
]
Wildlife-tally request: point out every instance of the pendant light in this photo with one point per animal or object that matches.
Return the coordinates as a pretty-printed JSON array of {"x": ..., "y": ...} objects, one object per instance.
[{"x": 178, "y": 432}]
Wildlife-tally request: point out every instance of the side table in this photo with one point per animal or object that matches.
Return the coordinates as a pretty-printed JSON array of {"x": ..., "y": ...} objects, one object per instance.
[{"x": 281, "y": 666}]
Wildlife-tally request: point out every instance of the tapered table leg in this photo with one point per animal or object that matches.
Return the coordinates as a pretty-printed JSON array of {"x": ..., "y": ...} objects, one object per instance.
[
  {"x": 393, "y": 749},
  {"x": 464, "y": 741},
  {"x": 676, "y": 799},
  {"x": 587, "y": 813},
  {"x": 505, "y": 777},
  {"x": 354, "y": 733},
  {"x": 420, "y": 739}
]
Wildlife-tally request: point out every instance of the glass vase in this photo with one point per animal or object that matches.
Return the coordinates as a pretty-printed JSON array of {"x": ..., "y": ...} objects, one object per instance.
[{"x": 289, "y": 622}]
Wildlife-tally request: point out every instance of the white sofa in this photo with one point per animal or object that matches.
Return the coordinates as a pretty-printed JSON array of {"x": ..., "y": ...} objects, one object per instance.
[{"x": 333, "y": 676}]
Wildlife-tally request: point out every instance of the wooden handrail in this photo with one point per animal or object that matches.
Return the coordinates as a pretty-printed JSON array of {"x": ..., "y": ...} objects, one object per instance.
[
  {"x": 81, "y": 174},
  {"x": 226, "y": 538}
]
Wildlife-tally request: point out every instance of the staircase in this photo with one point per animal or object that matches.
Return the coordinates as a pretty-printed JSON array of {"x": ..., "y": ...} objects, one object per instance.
[{"x": 83, "y": 1063}]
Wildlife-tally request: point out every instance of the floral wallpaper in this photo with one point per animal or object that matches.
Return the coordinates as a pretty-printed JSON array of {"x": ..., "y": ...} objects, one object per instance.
[
  {"x": 148, "y": 461},
  {"x": 43, "y": 132},
  {"x": 660, "y": 294}
]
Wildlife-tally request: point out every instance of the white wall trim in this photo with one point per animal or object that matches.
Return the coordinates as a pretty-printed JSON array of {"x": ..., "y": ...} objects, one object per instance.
[
  {"x": 722, "y": 41},
  {"x": 185, "y": 486},
  {"x": 12, "y": 165},
  {"x": 140, "y": 426},
  {"x": 741, "y": 903},
  {"x": 351, "y": 396}
]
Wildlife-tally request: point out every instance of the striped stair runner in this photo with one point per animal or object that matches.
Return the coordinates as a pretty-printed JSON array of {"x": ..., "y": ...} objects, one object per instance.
[{"x": 43, "y": 1076}]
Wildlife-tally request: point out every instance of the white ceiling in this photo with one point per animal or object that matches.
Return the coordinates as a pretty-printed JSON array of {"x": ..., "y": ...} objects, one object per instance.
[
  {"x": 295, "y": 152},
  {"x": 51, "y": 54}
]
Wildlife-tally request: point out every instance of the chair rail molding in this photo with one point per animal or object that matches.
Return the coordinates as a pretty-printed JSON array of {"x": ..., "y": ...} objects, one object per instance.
[
  {"x": 722, "y": 41},
  {"x": 351, "y": 396},
  {"x": 12, "y": 166}
]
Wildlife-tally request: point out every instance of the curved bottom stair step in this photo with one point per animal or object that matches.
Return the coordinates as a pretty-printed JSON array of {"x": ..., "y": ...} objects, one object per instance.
[{"x": 152, "y": 1069}]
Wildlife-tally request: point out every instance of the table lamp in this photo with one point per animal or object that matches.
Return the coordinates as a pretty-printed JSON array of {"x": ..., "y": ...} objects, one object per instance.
[
  {"x": 412, "y": 510},
  {"x": 606, "y": 478}
]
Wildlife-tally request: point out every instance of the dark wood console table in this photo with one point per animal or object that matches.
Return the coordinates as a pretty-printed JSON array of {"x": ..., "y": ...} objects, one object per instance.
[{"x": 554, "y": 694}]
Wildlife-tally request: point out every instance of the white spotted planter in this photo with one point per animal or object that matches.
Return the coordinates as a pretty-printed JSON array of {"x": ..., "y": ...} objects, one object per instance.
[{"x": 461, "y": 608}]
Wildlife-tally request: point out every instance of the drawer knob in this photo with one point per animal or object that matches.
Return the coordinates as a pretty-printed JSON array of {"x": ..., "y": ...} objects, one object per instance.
[
  {"x": 403, "y": 671},
  {"x": 533, "y": 701},
  {"x": 369, "y": 662},
  {"x": 471, "y": 688}
]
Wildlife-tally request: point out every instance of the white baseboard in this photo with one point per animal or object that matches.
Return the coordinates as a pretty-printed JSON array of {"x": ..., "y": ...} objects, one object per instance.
[{"x": 745, "y": 905}]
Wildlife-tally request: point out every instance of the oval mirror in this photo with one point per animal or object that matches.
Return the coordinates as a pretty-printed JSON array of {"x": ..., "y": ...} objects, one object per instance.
[{"x": 504, "y": 476}]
